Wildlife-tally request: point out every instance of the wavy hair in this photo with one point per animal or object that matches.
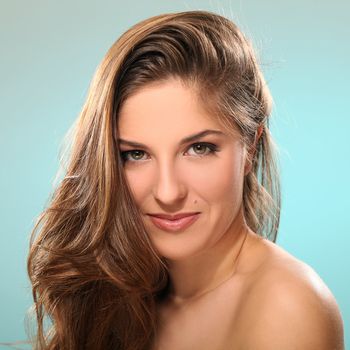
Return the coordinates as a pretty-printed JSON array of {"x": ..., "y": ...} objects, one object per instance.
[{"x": 95, "y": 275}]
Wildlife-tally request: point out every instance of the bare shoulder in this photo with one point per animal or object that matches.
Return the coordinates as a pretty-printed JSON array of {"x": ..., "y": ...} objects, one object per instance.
[{"x": 288, "y": 306}]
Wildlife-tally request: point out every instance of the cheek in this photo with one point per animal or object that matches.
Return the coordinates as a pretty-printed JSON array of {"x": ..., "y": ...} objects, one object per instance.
[
  {"x": 219, "y": 180},
  {"x": 140, "y": 183}
]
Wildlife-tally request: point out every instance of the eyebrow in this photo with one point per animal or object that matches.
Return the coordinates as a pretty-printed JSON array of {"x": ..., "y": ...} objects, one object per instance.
[{"x": 187, "y": 139}]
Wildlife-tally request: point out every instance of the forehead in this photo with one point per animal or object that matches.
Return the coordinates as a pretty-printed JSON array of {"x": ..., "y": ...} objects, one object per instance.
[{"x": 168, "y": 108}]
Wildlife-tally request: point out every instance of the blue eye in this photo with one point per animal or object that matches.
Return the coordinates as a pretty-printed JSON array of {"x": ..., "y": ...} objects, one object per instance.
[{"x": 136, "y": 155}]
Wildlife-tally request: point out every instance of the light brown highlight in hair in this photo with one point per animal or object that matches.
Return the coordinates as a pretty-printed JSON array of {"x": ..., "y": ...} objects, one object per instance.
[{"x": 92, "y": 267}]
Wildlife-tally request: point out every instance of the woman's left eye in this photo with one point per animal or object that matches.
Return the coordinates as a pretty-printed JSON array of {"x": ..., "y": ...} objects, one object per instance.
[{"x": 204, "y": 146}]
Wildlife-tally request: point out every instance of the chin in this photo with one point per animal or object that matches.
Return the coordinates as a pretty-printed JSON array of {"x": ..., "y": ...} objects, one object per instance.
[
  {"x": 179, "y": 245},
  {"x": 176, "y": 250}
]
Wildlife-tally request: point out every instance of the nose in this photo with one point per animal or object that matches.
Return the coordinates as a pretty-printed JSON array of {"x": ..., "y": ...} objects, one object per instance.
[{"x": 169, "y": 187}]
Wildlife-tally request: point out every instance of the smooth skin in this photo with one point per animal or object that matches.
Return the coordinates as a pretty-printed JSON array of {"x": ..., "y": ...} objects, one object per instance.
[{"x": 267, "y": 299}]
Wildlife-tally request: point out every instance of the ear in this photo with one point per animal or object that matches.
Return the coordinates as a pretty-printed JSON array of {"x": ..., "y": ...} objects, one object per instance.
[{"x": 251, "y": 152}]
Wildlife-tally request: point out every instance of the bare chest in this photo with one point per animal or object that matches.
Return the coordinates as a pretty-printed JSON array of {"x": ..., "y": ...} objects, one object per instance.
[{"x": 206, "y": 325}]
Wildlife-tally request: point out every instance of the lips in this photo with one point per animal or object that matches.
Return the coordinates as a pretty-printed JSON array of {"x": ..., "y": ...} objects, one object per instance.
[
  {"x": 173, "y": 217},
  {"x": 178, "y": 223}
]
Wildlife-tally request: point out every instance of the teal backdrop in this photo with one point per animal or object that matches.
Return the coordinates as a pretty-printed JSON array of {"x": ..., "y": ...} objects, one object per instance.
[{"x": 49, "y": 52}]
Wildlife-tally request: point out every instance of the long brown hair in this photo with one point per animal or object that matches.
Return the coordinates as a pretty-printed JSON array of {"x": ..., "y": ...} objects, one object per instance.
[{"x": 94, "y": 273}]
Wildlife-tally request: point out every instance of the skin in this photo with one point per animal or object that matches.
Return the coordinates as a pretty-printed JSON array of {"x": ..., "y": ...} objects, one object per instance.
[{"x": 260, "y": 298}]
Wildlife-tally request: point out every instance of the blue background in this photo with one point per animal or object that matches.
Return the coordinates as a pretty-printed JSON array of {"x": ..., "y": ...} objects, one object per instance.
[{"x": 49, "y": 52}]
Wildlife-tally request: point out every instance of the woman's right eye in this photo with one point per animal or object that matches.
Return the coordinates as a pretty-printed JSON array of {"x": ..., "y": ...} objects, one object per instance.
[{"x": 125, "y": 155}]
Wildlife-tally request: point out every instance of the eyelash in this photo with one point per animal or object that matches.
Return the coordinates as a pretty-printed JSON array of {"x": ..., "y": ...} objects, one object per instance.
[{"x": 212, "y": 150}]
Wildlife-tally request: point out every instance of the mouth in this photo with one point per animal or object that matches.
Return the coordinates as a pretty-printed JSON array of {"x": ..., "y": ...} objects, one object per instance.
[{"x": 174, "y": 225}]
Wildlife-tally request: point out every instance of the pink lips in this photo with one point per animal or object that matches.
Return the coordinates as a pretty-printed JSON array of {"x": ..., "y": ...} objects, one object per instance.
[{"x": 174, "y": 225}]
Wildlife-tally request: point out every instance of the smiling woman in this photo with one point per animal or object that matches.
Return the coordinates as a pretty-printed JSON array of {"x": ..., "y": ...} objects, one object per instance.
[
  {"x": 175, "y": 176},
  {"x": 162, "y": 233}
]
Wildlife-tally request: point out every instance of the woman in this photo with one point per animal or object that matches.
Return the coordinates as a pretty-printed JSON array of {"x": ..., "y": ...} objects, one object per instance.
[{"x": 159, "y": 235}]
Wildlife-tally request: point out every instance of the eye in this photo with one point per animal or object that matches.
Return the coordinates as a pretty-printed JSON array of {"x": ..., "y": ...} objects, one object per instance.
[
  {"x": 133, "y": 155},
  {"x": 208, "y": 148},
  {"x": 201, "y": 149}
]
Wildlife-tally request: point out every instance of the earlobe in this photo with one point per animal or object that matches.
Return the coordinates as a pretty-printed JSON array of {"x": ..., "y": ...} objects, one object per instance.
[
  {"x": 247, "y": 163},
  {"x": 247, "y": 167},
  {"x": 246, "y": 171},
  {"x": 251, "y": 153},
  {"x": 259, "y": 131}
]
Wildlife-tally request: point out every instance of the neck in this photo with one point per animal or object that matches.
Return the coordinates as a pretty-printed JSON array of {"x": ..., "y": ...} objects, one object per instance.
[{"x": 203, "y": 273}]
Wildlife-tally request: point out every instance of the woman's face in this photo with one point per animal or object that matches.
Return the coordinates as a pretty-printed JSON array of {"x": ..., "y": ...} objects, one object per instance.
[{"x": 167, "y": 176}]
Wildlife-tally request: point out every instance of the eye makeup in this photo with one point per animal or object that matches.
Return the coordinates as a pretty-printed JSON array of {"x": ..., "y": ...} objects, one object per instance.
[{"x": 210, "y": 149}]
